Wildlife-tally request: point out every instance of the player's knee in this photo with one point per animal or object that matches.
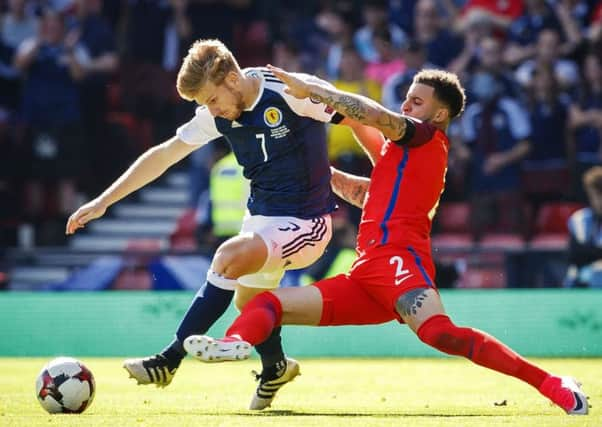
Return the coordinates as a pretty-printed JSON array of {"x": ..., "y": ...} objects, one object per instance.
[
  {"x": 239, "y": 256},
  {"x": 439, "y": 332},
  {"x": 225, "y": 259}
]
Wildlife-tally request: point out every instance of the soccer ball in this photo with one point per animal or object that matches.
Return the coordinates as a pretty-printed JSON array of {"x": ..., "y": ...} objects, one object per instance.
[{"x": 65, "y": 385}]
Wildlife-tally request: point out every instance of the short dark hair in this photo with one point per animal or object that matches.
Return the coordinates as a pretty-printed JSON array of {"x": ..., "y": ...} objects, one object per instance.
[{"x": 447, "y": 86}]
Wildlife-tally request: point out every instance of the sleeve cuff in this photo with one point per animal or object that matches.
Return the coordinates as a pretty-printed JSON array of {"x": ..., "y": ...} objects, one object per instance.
[
  {"x": 409, "y": 133},
  {"x": 337, "y": 118}
]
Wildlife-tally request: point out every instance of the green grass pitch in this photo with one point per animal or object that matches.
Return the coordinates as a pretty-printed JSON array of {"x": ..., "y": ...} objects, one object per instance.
[{"x": 330, "y": 392}]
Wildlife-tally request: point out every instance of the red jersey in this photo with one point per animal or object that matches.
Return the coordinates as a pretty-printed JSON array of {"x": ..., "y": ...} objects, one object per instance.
[{"x": 406, "y": 184}]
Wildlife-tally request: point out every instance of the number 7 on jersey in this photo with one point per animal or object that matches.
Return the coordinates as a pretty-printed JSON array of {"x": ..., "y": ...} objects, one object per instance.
[{"x": 261, "y": 138}]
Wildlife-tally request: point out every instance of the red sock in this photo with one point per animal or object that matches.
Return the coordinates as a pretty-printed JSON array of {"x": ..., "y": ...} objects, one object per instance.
[
  {"x": 439, "y": 332},
  {"x": 257, "y": 319}
]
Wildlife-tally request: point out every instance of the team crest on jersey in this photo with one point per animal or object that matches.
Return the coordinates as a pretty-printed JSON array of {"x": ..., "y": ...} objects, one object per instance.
[{"x": 272, "y": 117}]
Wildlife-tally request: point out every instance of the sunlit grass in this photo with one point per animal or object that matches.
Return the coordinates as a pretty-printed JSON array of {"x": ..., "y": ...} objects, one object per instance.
[{"x": 330, "y": 392}]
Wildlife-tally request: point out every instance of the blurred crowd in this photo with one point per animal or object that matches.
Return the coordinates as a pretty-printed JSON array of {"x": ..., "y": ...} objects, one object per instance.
[{"x": 87, "y": 85}]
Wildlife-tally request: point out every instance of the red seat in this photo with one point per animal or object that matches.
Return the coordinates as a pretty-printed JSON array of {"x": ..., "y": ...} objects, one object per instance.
[
  {"x": 553, "y": 217},
  {"x": 502, "y": 241},
  {"x": 459, "y": 241},
  {"x": 557, "y": 241},
  {"x": 453, "y": 217},
  {"x": 551, "y": 230},
  {"x": 483, "y": 277}
]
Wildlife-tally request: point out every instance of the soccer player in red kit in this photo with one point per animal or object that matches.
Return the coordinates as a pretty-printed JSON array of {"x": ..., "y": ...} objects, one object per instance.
[{"x": 392, "y": 278}]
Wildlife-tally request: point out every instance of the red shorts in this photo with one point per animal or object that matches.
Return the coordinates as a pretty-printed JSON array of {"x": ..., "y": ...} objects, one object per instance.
[{"x": 369, "y": 292}]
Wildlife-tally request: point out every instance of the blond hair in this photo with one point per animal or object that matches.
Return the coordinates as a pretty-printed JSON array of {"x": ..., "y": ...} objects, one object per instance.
[{"x": 207, "y": 60}]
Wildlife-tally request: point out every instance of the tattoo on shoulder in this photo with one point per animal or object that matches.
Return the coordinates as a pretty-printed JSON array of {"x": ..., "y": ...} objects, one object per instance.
[{"x": 409, "y": 303}]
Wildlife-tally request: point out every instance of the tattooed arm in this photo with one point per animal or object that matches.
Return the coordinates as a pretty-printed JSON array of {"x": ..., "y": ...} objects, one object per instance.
[
  {"x": 370, "y": 139},
  {"x": 350, "y": 188},
  {"x": 357, "y": 107}
]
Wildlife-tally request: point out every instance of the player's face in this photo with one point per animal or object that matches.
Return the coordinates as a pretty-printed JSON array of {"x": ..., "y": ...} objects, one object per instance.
[
  {"x": 420, "y": 102},
  {"x": 223, "y": 100}
]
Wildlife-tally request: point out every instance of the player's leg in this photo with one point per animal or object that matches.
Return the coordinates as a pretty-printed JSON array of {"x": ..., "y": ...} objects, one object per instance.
[
  {"x": 334, "y": 301},
  {"x": 422, "y": 310},
  {"x": 270, "y": 351},
  {"x": 238, "y": 256},
  {"x": 292, "y": 243}
]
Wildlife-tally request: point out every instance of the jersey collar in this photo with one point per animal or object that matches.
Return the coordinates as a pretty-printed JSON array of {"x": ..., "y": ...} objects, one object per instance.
[{"x": 256, "y": 73}]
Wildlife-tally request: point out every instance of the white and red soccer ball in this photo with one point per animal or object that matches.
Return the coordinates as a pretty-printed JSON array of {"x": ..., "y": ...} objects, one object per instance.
[{"x": 65, "y": 385}]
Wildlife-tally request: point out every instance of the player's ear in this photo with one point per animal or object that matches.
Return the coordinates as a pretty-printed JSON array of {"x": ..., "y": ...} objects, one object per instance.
[
  {"x": 232, "y": 79},
  {"x": 441, "y": 115}
]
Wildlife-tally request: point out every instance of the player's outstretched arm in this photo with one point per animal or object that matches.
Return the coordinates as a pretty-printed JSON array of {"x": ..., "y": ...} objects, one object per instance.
[
  {"x": 149, "y": 166},
  {"x": 370, "y": 139},
  {"x": 356, "y": 107},
  {"x": 351, "y": 188}
]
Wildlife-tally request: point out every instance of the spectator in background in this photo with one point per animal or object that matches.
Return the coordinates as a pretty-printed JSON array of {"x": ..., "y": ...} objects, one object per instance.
[
  {"x": 585, "y": 122},
  {"x": 52, "y": 65},
  {"x": 594, "y": 33},
  {"x": 154, "y": 32},
  {"x": 16, "y": 25},
  {"x": 496, "y": 132},
  {"x": 396, "y": 86},
  {"x": 93, "y": 32},
  {"x": 498, "y": 13},
  {"x": 429, "y": 30},
  {"x": 545, "y": 169},
  {"x": 287, "y": 54},
  {"x": 338, "y": 26},
  {"x": 490, "y": 59},
  {"x": 390, "y": 59},
  {"x": 547, "y": 55},
  {"x": 585, "y": 236},
  {"x": 343, "y": 150},
  {"x": 376, "y": 16},
  {"x": 559, "y": 16},
  {"x": 221, "y": 208},
  {"x": 524, "y": 30},
  {"x": 402, "y": 14}
]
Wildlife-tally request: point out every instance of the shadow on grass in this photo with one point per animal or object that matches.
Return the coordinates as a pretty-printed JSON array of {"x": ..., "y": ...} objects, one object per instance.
[{"x": 289, "y": 413}]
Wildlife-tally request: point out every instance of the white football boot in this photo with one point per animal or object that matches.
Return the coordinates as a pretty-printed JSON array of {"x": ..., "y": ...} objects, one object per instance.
[{"x": 207, "y": 349}]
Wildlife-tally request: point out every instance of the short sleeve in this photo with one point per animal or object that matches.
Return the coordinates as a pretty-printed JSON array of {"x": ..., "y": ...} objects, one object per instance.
[
  {"x": 200, "y": 129},
  {"x": 309, "y": 108},
  {"x": 417, "y": 133}
]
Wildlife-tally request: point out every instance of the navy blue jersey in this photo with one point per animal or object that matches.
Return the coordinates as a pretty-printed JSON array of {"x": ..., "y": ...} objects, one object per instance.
[{"x": 280, "y": 142}]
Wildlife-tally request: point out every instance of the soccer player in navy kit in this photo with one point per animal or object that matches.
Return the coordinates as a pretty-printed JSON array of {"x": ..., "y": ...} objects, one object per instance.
[{"x": 280, "y": 142}]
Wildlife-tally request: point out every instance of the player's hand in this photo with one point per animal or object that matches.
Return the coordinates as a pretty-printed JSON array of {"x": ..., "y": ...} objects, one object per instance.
[
  {"x": 296, "y": 87},
  {"x": 86, "y": 213}
]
